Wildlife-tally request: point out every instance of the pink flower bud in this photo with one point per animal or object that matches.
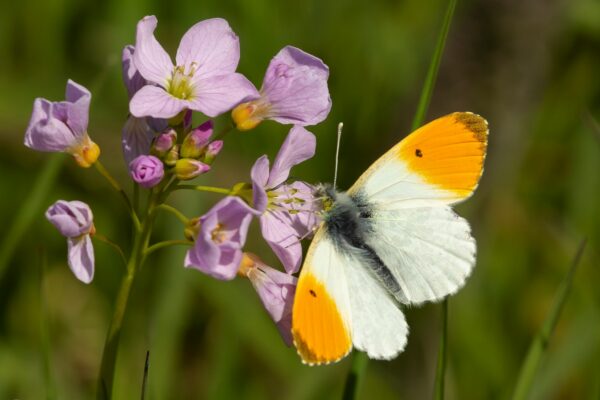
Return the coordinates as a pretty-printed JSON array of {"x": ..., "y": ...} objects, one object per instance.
[{"x": 187, "y": 168}]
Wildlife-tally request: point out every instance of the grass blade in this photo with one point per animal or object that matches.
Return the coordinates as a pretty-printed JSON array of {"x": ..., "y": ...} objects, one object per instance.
[
  {"x": 539, "y": 344},
  {"x": 359, "y": 365},
  {"x": 438, "y": 386},
  {"x": 30, "y": 209},
  {"x": 433, "y": 68}
]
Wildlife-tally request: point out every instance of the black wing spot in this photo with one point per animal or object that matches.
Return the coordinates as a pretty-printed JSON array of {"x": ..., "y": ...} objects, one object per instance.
[
  {"x": 418, "y": 153},
  {"x": 312, "y": 293}
]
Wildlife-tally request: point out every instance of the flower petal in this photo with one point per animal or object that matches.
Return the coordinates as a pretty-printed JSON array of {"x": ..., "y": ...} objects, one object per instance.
[
  {"x": 132, "y": 78},
  {"x": 46, "y": 132},
  {"x": 153, "y": 101},
  {"x": 81, "y": 258},
  {"x": 136, "y": 138},
  {"x": 260, "y": 175},
  {"x": 295, "y": 85},
  {"x": 298, "y": 146},
  {"x": 71, "y": 218},
  {"x": 149, "y": 57},
  {"x": 282, "y": 239},
  {"x": 212, "y": 45},
  {"x": 77, "y": 112},
  {"x": 217, "y": 94}
]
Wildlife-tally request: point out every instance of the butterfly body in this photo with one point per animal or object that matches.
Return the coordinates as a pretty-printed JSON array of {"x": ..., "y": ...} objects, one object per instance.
[{"x": 390, "y": 240}]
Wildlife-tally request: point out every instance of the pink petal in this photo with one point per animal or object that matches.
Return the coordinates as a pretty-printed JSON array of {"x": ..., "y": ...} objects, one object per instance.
[
  {"x": 132, "y": 79},
  {"x": 45, "y": 132},
  {"x": 81, "y": 258},
  {"x": 78, "y": 112},
  {"x": 298, "y": 146},
  {"x": 136, "y": 138},
  {"x": 259, "y": 175},
  {"x": 212, "y": 45},
  {"x": 296, "y": 87},
  {"x": 151, "y": 60},
  {"x": 217, "y": 94},
  {"x": 282, "y": 239},
  {"x": 153, "y": 101}
]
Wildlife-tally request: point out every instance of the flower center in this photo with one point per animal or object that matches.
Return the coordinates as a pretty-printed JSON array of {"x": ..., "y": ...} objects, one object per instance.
[
  {"x": 218, "y": 235},
  {"x": 180, "y": 85}
]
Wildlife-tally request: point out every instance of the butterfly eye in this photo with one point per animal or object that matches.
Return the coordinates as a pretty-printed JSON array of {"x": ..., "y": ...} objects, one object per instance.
[{"x": 418, "y": 153}]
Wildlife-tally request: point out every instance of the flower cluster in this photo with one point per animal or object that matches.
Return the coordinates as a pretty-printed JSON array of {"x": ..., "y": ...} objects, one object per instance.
[{"x": 162, "y": 150}]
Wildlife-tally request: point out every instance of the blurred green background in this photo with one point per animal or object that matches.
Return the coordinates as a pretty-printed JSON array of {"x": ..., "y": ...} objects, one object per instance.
[{"x": 532, "y": 68}]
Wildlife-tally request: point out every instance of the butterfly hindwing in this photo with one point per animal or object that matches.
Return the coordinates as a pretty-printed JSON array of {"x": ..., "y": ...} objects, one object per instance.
[{"x": 439, "y": 162}]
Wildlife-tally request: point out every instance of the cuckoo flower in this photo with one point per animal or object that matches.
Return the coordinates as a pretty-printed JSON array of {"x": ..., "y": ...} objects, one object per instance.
[
  {"x": 62, "y": 126},
  {"x": 286, "y": 211},
  {"x": 203, "y": 79},
  {"x": 148, "y": 171},
  {"x": 137, "y": 133},
  {"x": 294, "y": 91},
  {"x": 217, "y": 250},
  {"x": 74, "y": 220},
  {"x": 275, "y": 289}
]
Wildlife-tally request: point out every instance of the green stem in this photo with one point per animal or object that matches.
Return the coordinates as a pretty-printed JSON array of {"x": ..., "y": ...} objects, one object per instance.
[
  {"x": 211, "y": 189},
  {"x": 166, "y": 243},
  {"x": 539, "y": 345},
  {"x": 440, "y": 372},
  {"x": 112, "y": 244},
  {"x": 104, "y": 172},
  {"x": 109, "y": 355},
  {"x": 433, "y": 68},
  {"x": 175, "y": 212},
  {"x": 359, "y": 365}
]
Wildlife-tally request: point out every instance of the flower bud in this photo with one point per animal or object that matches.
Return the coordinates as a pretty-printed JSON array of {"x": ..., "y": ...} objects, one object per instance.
[
  {"x": 212, "y": 150},
  {"x": 148, "y": 171},
  {"x": 248, "y": 115},
  {"x": 187, "y": 168},
  {"x": 163, "y": 143},
  {"x": 172, "y": 156},
  {"x": 196, "y": 141}
]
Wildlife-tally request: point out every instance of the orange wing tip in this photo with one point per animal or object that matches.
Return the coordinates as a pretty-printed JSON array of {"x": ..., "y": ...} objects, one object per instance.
[
  {"x": 310, "y": 358},
  {"x": 475, "y": 123}
]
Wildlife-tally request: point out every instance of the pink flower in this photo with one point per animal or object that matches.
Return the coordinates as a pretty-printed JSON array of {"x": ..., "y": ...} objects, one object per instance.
[
  {"x": 287, "y": 212},
  {"x": 148, "y": 171},
  {"x": 74, "y": 220},
  {"x": 62, "y": 126},
  {"x": 203, "y": 79},
  {"x": 217, "y": 250},
  {"x": 275, "y": 289},
  {"x": 294, "y": 91}
]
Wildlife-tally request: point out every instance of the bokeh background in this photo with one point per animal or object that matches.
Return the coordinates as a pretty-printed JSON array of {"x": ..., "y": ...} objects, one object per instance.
[{"x": 532, "y": 68}]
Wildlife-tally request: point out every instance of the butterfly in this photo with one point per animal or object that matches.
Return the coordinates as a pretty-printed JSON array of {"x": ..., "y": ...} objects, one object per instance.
[{"x": 390, "y": 240}]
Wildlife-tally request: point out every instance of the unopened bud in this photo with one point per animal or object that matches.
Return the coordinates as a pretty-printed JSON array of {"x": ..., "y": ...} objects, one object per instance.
[
  {"x": 212, "y": 150},
  {"x": 163, "y": 143},
  {"x": 187, "y": 168},
  {"x": 194, "y": 144},
  {"x": 172, "y": 156}
]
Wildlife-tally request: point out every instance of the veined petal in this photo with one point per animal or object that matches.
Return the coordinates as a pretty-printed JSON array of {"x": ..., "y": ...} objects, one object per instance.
[
  {"x": 153, "y": 101},
  {"x": 282, "y": 239},
  {"x": 212, "y": 45},
  {"x": 217, "y": 94},
  {"x": 298, "y": 146},
  {"x": 260, "y": 175},
  {"x": 136, "y": 138},
  {"x": 295, "y": 85},
  {"x": 77, "y": 112},
  {"x": 46, "y": 132},
  {"x": 81, "y": 257},
  {"x": 132, "y": 78},
  {"x": 149, "y": 57}
]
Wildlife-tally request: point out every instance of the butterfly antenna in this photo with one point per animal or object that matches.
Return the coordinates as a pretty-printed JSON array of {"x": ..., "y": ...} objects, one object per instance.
[{"x": 337, "y": 152}]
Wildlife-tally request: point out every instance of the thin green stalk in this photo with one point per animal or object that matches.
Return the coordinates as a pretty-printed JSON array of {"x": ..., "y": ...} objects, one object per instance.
[
  {"x": 539, "y": 345},
  {"x": 175, "y": 212},
  {"x": 438, "y": 387},
  {"x": 104, "y": 172},
  {"x": 433, "y": 68},
  {"x": 109, "y": 355},
  {"x": 145, "y": 379},
  {"x": 166, "y": 243},
  {"x": 47, "y": 351},
  {"x": 112, "y": 244},
  {"x": 359, "y": 365},
  {"x": 200, "y": 188},
  {"x": 30, "y": 209}
]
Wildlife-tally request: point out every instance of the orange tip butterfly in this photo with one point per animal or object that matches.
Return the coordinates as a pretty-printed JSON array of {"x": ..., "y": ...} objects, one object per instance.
[{"x": 390, "y": 240}]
